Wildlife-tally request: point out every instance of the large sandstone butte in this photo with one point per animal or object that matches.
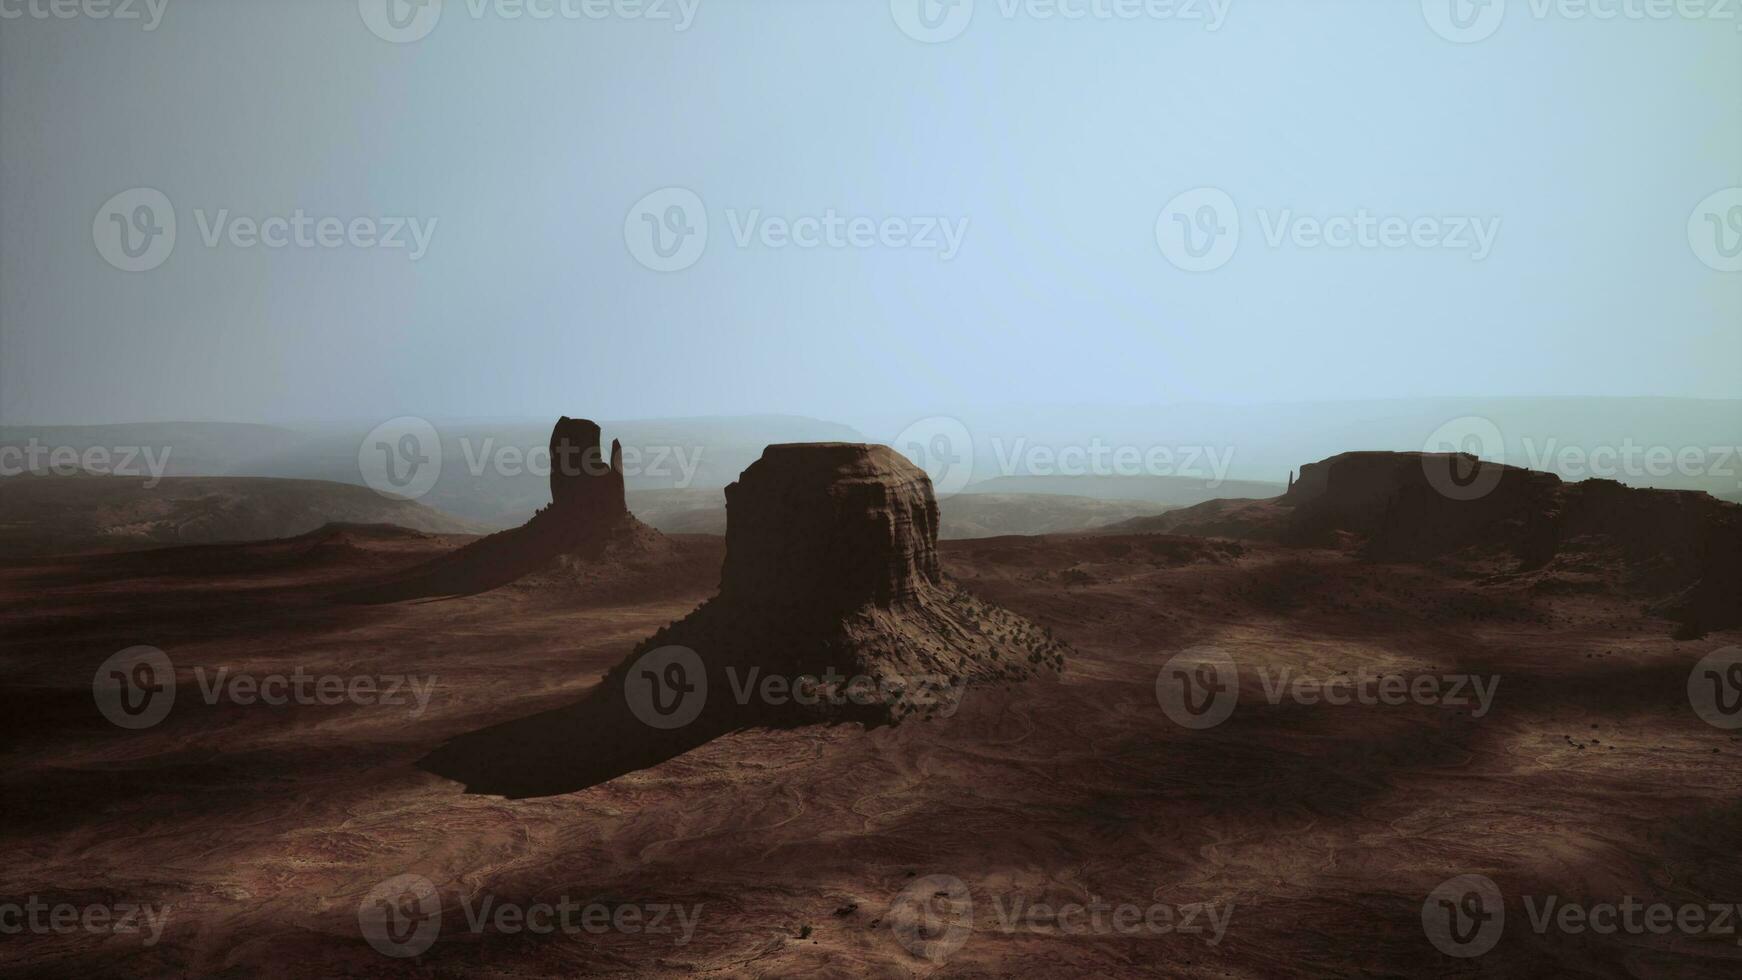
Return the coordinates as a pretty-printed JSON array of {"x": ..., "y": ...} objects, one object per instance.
[
  {"x": 833, "y": 525},
  {"x": 586, "y": 522},
  {"x": 832, "y": 568},
  {"x": 830, "y": 591}
]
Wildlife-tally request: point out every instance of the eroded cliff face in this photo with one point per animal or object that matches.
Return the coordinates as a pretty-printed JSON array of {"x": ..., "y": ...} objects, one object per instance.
[
  {"x": 583, "y": 482},
  {"x": 831, "y": 608},
  {"x": 830, "y": 525},
  {"x": 832, "y": 569},
  {"x": 587, "y": 523},
  {"x": 1682, "y": 547}
]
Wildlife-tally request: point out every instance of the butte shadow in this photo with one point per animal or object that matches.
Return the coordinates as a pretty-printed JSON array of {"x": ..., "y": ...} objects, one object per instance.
[
  {"x": 587, "y": 520},
  {"x": 831, "y": 573}
]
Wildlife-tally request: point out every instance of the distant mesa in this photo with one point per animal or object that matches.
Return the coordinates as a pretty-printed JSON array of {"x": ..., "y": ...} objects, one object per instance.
[
  {"x": 586, "y": 520},
  {"x": 1680, "y": 548},
  {"x": 831, "y": 570}
]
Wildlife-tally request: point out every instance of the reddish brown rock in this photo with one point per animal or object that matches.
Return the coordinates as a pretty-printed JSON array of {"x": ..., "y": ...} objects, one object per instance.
[
  {"x": 831, "y": 608},
  {"x": 1679, "y": 550},
  {"x": 583, "y": 482},
  {"x": 831, "y": 566},
  {"x": 830, "y": 524},
  {"x": 587, "y": 521}
]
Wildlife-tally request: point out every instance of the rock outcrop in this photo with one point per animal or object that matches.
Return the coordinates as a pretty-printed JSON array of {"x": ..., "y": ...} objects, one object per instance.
[
  {"x": 584, "y": 485},
  {"x": 1679, "y": 549},
  {"x": 830, "y": 525},
  {"x": 586, "y": 521},
  {"x": 831, "y": 608},
  {"x": 832, "y": 568}
]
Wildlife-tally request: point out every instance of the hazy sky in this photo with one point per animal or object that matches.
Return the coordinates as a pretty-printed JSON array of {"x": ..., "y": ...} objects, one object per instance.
[{"x": 1539, "y": 185}]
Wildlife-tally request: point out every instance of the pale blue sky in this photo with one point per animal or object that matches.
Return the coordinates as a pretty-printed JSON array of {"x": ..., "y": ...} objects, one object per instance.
[{"x": 527, "y": 142}]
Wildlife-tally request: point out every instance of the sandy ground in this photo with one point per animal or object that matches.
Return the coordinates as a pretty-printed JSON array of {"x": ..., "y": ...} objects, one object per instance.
[{"x": 1291, "y": 839}]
